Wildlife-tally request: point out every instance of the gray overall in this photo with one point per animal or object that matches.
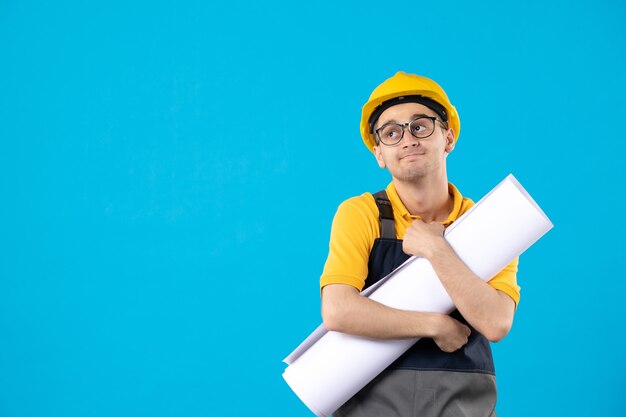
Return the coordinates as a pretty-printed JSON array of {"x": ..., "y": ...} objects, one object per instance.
[{"x": 425, "y": 381}]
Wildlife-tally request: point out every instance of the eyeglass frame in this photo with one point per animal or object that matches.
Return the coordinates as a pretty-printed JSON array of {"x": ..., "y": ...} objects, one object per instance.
[{"x": 406, "y": 125}]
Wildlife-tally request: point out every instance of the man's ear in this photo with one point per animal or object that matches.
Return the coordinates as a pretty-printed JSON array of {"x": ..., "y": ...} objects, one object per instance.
[
  {"x": 450, "y": 135},
  {"x": 379, "y": 157}
]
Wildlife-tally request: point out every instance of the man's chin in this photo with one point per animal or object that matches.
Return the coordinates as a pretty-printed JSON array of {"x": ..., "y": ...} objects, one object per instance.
[{"x": 410, "y": 175}]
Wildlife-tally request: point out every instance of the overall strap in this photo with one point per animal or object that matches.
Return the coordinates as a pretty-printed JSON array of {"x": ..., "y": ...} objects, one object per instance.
[{"x": 385, "y": 215}]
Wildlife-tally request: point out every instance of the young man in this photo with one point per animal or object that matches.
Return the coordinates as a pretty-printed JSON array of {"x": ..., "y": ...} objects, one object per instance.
[{"x": 411, "y": 127}]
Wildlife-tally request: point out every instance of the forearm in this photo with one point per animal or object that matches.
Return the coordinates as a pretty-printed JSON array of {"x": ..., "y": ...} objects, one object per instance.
[
  {"x": 344, "y": 310},
  {"x": 488, "y": 310}
]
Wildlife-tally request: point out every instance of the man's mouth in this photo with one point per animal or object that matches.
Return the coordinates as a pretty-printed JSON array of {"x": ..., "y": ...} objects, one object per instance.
[{"x": 412, "y": 154}]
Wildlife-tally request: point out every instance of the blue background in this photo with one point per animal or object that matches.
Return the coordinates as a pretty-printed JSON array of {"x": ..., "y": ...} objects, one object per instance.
[{"x": 169, "y": 172}]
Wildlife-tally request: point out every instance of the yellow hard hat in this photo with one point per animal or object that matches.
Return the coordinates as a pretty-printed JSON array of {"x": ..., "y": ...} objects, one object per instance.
[{"x": 407, "y": 88}]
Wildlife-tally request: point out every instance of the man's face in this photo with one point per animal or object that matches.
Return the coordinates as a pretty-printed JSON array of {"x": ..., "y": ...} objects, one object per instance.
[{"x": 412, "y": 158}]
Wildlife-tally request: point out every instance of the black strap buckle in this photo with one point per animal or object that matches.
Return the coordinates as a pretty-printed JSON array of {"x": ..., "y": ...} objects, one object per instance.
[{"x": 385, "y": 215}]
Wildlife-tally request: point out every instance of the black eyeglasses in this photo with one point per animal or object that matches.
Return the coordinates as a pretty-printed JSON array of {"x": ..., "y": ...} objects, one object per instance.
[{"x": 420, "y": 127}]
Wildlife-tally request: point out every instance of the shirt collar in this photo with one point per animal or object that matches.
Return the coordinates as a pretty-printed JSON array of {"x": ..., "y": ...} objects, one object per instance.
[{"x": 399, "y": 207}]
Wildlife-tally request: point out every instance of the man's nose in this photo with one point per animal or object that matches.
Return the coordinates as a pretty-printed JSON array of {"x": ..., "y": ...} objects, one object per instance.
[{"x": 408, "y": 139}]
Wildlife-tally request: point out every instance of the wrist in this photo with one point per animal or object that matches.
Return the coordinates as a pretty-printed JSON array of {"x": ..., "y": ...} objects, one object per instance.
[
  {"x": 438, "y": 249},
  {"x": 434, "y": 323}
]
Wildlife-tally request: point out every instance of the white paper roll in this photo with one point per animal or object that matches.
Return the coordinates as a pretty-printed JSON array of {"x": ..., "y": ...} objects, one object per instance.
[{"x": 328, "y": 368}]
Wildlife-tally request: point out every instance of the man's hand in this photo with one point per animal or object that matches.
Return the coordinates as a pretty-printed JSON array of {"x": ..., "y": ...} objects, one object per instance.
[
  {"x": 421, "y": 238},
  {"x": 451, "y": 334}
]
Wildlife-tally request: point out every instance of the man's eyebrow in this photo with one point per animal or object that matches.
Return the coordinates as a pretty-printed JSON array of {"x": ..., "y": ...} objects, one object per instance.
[
  {"x": 420, "y": 115},
  {"x": 416, "y": 115}
]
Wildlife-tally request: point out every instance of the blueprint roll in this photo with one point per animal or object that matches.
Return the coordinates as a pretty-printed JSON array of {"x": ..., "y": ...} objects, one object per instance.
[{"x": 328, "y": 368}]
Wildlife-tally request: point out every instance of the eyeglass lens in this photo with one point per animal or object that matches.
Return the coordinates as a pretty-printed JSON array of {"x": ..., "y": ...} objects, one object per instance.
[{"x": 420, "y": 128}]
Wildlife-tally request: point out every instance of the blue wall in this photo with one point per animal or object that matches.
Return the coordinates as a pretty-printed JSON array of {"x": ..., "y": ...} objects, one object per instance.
[{"x": 169, "y": 172}]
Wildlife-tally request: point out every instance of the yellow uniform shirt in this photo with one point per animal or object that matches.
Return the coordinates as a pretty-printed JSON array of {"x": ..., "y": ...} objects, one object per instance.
[{"x": 356, "y": 226}]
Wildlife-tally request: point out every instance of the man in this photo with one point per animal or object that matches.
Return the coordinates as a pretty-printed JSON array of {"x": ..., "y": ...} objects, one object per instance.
[{"x": 411, "y": 127}]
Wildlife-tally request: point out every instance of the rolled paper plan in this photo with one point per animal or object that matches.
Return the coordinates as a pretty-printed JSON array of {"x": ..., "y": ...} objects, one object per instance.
[{"x": 328, "y": 368}]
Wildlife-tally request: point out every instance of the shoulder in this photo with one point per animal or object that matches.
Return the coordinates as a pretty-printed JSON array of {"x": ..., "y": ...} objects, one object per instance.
[
  {"x": 352, "y": 235},
  {"x": 357, "y": 215},
  {"x": 362, "y": 206}
]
